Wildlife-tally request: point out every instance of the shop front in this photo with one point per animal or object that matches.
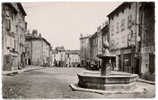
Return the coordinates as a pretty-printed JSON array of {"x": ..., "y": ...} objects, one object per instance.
[
  {"x": 148, "y": 63},
  {"x": 126, "y": 61}
]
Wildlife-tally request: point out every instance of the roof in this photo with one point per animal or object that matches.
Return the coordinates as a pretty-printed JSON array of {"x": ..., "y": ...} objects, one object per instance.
[
  {"x": 30, "y": 37},
  {"x": 85, "y": 37},
  {"x": 21, "y": 8},
  {"x": 105, "y": 29},
  {"x": 61, "y": 48},
  {"x": 119, "y": 8},
  {"x": 94, "y": 35},
  {"x": 46, "y": 41},
  {"x": 19, "y": 5},
  {"x": 11, "y": 5},
  {"x": 73, "y": 52}
]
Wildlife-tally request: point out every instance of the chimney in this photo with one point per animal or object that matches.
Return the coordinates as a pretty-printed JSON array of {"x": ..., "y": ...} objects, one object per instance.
[
  {"x": 40, "y": 35},
  {"x": 34, "y": 32}
]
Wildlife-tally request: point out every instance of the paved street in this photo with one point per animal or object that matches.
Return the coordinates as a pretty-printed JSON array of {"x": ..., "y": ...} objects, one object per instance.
[{"x": 54, "y": 83}]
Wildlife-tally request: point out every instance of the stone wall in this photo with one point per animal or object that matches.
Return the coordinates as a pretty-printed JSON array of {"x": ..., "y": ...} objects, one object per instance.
[
  {"x": 37, "y": 56},
  {"x": 122, "y": 29},
  {"x": 12, "y": 34},
  {"x": 148, "y": 40}
]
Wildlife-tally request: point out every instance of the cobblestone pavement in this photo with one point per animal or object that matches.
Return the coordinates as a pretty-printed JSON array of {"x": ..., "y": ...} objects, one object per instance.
[{"x": 54, "y": 83}]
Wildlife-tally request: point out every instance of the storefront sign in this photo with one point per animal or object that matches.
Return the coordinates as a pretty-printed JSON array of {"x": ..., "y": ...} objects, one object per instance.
[
  {"x": 126, "y": 51},
  {"x": 149, "y": 49},
  {"x": 116, "y": 52}
]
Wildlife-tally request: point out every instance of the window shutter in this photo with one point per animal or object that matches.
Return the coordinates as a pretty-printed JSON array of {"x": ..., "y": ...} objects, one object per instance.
[{"x": 8, "y": 24}]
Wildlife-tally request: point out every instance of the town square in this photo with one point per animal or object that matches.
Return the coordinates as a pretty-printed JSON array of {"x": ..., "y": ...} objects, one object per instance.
[{"x": 78, "y": 50}]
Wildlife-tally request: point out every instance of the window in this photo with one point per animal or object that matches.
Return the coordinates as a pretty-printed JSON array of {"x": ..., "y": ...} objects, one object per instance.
[
  {"x": 15, "y": 45},
  {"x": 10, "y": 42},
  {"x": 112, "y": 44},
  {"x": 112, "y": 30},
  {"x": 117, "y": 27},
  {"x": 122, "y": 26},
  {"x": 25, "y": 26},
  {"x": 129, "y": 21},
  {"x": 7, "y": 12},
  {"x": 127, "y": 59},
  {"x": 8, "y": 24}
]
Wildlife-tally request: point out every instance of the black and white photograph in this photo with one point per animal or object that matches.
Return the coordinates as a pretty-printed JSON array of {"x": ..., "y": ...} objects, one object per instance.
[{"x": 78, "y": 49}]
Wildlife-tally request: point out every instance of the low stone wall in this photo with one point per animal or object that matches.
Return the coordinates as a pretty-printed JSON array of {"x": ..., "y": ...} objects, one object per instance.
[{"x": 95, "y": 81}]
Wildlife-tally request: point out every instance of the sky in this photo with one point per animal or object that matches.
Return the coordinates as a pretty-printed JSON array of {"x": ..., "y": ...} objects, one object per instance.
[{"x": 61, "y": 23}]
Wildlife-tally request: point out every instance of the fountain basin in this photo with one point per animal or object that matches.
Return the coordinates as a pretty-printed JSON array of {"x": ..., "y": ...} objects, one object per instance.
[{"x": 113, "y": 81}]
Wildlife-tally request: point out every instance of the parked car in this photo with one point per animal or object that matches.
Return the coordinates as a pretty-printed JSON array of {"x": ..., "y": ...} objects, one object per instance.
[{"x": 94, "y": 66}]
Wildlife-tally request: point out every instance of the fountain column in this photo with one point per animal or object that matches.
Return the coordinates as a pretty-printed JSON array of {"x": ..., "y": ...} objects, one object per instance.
[
  {"x": 106, "y": 66},
  {"x": 106, "y": 60}
]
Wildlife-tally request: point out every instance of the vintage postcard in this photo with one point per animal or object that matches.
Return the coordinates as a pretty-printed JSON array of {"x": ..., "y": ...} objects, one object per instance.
[{"x": 78, "y": 50}]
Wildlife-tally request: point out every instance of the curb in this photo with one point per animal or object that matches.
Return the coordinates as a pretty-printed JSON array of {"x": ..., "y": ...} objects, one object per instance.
[
  {"x": 74, "y": 87},
  {"x": 20, "y": 71},
  {"x": 10, "y": 73},
  {"x": 30, "y": 70},
  {"x": 146, "y": 81}
]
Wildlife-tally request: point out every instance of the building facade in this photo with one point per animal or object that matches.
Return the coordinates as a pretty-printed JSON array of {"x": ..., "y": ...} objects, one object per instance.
[
  {"x": 38, "y": 50},
  {"x": 94, "y": 48},
  {"x": 53, "y": 53},
  {"x": 14, "y": 27},
  {"x": 85, "y": 50},
  {"x": 59, "y": 55},
  {"x": 147, "y": 45},
  {"x": 97, "y": 44},
  {"x": 123, "y": 34},
  {"x": 72, "y": 58},
  {"x": 132, "y": 36}
]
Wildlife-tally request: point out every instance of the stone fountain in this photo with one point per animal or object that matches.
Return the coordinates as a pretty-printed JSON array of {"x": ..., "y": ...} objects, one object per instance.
[{"x": 107, "y": 79}]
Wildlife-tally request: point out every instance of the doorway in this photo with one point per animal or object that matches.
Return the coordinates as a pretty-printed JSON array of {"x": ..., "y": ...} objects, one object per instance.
[{"x": 29, "y": 61}]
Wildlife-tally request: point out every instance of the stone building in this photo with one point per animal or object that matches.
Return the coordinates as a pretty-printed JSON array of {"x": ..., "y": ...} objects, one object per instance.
[
  {"x": 60, "y": 56},
  {"x": 94, "y": 48},
  {"x": 96, "y": 43},
  {"x": 38, "y": 49},
  {"x": 85, "y": 50},
  {"x": 72, "y": 58},
  {"x": 92, "y": 45},
  {"x": 132, "y": 36},
  {"x": 54, "y": 54},
  {"x": 147, "y": 44},
  {"x": 14, "y": 27},
  {"x": 124, "y": 35}
]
